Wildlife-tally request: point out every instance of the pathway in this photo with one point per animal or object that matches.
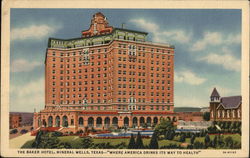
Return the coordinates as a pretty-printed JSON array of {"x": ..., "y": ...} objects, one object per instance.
[{"x": 20, "y": 140}]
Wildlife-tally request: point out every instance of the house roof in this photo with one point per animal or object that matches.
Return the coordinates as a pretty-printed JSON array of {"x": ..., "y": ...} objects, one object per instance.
[
  {"x": 215, "y": 93},
  {"x": 231, "y": 102}
]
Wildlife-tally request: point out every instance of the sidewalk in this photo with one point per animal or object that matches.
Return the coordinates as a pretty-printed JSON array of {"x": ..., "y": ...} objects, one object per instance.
[{"x": 20, "y": 140}]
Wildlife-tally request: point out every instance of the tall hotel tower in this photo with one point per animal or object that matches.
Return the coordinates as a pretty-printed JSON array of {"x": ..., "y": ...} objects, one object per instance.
[{"x": 110, "y": 77}]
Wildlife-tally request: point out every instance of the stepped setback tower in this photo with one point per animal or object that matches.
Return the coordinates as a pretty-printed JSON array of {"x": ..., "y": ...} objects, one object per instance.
[{"x": 110, "y": 77}]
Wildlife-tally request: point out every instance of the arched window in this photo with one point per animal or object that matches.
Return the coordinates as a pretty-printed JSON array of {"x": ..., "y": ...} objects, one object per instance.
[
  {"x": 135, "y": 121},
  {"x": 155, "y": 120},
  {"x": 50, "y": 121},
  {"x": 149, "y": 121},
  {"x": 126, "y": 121},
  {"x": 115, "y": 121},
  {"x": 90, "y": 122},
  {"x": 99, "y": 122},
  {"x": 57, "y": 121},
  {"x": 238, "y": 113},
  {"x": 228, "y": 113},
  {"x": 233, "y": 113},
  {"x": 218, "y": 113},
  {"x": 142, "y": 121},
  {"x": 107, "y": 122},
  {"x": 80, "y": 121},
  {"x": 65, "y": 122}
]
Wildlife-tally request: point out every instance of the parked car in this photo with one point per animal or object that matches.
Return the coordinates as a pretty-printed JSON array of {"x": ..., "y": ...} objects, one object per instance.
[
  {"x": 23, "y": 131},
  {"x": 14, "y": 131}
]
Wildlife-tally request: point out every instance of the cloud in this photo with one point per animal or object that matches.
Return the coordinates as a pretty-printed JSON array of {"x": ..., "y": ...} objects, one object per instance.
[
  {"x": 160, "y": 35},
  {"x": 188, "y": 77},
  {"x": 22, "y": 65},
  {"x": 36, "y": 32},
  {"x": 190, "y": 101},
  {"x": 233, "y": 39},
  {"x": 215, "y": 39},
  {"x": 210, "y": 38},
  {"x": 28, "y": 96},
  {"x": 227, "y": 61}
]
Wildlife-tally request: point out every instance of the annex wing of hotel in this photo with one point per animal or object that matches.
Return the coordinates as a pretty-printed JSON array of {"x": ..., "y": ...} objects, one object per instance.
[{"x": 109, "y": 78}]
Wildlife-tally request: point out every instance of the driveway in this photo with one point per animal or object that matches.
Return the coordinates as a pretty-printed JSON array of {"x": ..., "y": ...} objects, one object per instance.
[{"x": 17, "y": 142}]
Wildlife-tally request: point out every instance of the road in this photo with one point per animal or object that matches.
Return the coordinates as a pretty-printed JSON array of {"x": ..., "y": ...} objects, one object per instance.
[{"x": 17, "y": 142}]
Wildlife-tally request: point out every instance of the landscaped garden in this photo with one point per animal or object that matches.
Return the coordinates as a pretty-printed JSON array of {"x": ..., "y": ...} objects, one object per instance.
[{"x": 164, "y": 137}]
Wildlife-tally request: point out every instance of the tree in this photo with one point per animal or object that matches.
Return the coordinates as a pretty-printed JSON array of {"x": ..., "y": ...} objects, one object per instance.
[
  {"x": 206, "y": 116},
  {"x": 154, "y": 142},
  {"x": 164, "y": 126},
  {"x": 38, "y": 139},
  {"x": 192, "y": 139},
  {"x": 171, "y": 135},
  {"x": 139, "y": 142},
  {"x": 215, "y": 142},
  {"x": 47, "y": 141},
  {"x": 86, "y": 142},
  {"x": 229, "y": 141},
  {"x": 182, "y": 138},
  {"x": 221, "y": 141},
  {"x": 167, "y": 134},
  {"x": 131, "y": 144},
  {"x": 207, "y": 140}
]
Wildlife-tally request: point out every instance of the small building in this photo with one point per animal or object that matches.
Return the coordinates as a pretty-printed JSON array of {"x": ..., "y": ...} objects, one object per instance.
[
  {"x": 190, "y": 116},
  {"x": 225, "y": 108},
  {"x": 192, "y": 126},
  {"x": 15, "y": 120},
  {"x": 19, "y": 119}
]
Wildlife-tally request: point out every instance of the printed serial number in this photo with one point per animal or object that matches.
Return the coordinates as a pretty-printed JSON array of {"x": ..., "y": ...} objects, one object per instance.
[{"x": 229, "y": 152}]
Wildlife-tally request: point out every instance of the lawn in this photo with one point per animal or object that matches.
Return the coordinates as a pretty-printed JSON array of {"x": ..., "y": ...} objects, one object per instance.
[{"x": 75, "y": 140}]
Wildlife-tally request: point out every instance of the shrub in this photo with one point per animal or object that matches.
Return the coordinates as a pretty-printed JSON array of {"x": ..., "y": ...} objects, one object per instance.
[
  {"x": 56, "y": 134},
  {"x": 229, "y": 141},
  {"x": 86, "y": 142},
  {"x": 64, "y": 145},
  {"x": 198, "y": 145},
  {"x": 182, "y": 138}
]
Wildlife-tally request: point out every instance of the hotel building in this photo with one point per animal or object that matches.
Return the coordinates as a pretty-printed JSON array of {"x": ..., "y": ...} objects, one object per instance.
[{"x": 110, "y": 77}]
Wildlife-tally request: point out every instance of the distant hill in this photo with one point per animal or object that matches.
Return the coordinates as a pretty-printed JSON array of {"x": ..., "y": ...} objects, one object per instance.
[{"x": 187, "y": 109}]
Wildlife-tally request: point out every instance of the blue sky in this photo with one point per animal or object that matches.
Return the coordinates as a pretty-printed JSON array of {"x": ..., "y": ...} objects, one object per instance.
[{"x": 207, "y": 48}]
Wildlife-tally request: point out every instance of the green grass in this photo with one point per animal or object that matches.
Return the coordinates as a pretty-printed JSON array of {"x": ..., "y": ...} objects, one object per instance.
[
  {"x": 28, "y": 144},
  {"x": 75, "y": 140}
]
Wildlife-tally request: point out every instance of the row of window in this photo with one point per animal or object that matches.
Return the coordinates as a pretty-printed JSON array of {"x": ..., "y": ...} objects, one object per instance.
[
  {"x": 110, "y": 74},
  {"x": 81, "y": 59},
  {"x": 142, "y": 87},
  {"x": 121, "y": 45},
  {"x": 221, "y": 113},
  {"x": 79, "y": 52},
  {"x": 104, "y": 101}
]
